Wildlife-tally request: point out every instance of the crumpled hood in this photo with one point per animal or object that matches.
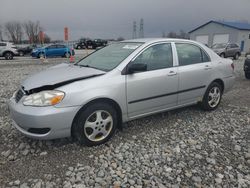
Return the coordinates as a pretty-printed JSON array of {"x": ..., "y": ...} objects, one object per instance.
[{"x": 61, "y": 73}]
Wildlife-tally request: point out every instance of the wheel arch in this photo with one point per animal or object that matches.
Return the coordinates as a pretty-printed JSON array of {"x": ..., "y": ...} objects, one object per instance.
[
  {"x": 98, "y": 100},
  {"x": 219, "y": 81},
  {"x": 8, "y": 51}
]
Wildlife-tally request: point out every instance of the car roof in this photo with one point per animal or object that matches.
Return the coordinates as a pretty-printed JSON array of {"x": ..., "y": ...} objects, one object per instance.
[{"x": 153, "y": 40}]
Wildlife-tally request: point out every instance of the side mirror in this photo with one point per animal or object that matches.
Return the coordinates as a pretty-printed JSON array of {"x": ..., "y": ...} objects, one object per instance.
[{"x": 140, "y": 67}]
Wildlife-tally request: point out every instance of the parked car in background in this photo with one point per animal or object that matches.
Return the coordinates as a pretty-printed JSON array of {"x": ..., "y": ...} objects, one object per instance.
[
  {"x": 52, "y": 51},
  {"x": 118, "y": 83},
  {"x": 8, "y": 50},
  {"x": 100, "y": 43},
  {"x": 85, "y": 43},
  {"x": 227, "y": 50},
  {"x": 26, "y": 50},
  {"x": 247, "y": 67}
]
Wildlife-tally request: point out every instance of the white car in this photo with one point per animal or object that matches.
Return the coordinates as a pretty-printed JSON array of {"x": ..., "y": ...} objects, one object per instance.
[
  {"x": 8, "y": 50},
  {"x": 118, "y": 83}
]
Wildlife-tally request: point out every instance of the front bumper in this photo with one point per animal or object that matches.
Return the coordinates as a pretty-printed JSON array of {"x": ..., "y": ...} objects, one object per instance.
[{"x": 56, "y": 121}]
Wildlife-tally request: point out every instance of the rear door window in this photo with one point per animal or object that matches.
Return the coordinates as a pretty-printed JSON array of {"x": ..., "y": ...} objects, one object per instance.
[{"x": 189, "y": 54}]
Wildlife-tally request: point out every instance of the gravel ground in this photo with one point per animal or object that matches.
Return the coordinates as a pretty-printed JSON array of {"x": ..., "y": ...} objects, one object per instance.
[{"x": 181, "y": 148}]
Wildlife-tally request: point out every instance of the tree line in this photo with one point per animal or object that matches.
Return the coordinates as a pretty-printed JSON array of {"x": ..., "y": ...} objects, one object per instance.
[
  {"x": 17, "y": 31},
  {"x": 182, "y": 35}
]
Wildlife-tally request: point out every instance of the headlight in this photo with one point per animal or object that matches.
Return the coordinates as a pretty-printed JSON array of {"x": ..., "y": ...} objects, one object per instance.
[{"x": 44, "y": 98}]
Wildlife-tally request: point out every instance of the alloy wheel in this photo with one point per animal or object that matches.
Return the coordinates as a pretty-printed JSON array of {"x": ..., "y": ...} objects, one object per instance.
[
  {"x": 214, "y": 96},
  {"x": 98, "y": 125}
]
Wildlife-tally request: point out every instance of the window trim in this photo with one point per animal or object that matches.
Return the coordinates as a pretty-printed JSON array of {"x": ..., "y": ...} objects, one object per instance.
[
  {"x": 201, "y": 49},
  {"x": 125, "y": 69}
]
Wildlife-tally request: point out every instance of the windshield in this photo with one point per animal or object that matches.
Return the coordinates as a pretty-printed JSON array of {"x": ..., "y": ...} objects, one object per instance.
[
  {"x": 109, "y": 57},
  {"x": 217, "y": 46}
]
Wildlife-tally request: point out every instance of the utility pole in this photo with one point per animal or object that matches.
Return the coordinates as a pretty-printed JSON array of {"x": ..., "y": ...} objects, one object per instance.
[
  {"x": 134, "y": 30},
  {"x": 141, "y": 32}
]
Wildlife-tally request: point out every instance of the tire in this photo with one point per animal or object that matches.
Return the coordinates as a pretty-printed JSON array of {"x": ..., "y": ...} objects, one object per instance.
[
  {"x": 212, "y": 97},
  {"x": 222, "y": 55},
  {"x": 78, "y": 47},
  {"x": 95, "y": 124},
  {"x": 41, "y": 55},
  {"x": 21, "y": 53},
  {"x": 67, "y": 54},
  {"x": 247, "y": 75},
  {"x": 236, "y": 56},
  {"x": 8, "y": 55}
]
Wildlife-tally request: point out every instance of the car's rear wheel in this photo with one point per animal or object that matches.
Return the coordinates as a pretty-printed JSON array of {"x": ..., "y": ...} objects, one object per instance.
[
  {"x": 21, "y": 53},
  {"x": 212, "y": 97},
  {"x": 247, "y": 75},
  {"x": 95, "y": 124},
  {"x": 78, "y": 47},
  {"x": 222, "y": 55},
  {"x": 67, "y": 54},
  {"x": 236, "y": 56}
]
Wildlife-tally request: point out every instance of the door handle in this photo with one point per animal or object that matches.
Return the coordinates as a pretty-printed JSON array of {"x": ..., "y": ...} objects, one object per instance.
[
  {"x": 172, "y": 73},
  {"x": 207, "y": 67}
]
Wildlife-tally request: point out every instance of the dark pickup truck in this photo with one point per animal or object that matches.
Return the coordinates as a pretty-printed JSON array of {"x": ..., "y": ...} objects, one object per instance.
[{"x": 90, "y": 44}]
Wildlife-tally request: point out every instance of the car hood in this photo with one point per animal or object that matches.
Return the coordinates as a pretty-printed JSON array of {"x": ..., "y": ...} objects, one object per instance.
[{"x": 59, "y": 75}]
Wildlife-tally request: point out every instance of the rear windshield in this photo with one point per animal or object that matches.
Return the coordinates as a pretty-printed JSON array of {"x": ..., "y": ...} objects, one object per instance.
[{"x": 110, "y": 56}]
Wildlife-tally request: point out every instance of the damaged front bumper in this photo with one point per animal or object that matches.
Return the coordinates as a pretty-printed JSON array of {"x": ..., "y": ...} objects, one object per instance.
[{"x": 42, "y": 122}]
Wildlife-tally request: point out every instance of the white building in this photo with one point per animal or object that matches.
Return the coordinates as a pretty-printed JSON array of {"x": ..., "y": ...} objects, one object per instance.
[{"x": 214, "y": 32}]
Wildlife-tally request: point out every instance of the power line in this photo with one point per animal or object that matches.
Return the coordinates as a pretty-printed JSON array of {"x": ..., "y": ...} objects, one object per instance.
[
  {"x": 134, "y": 30},
  {"x": 141, "y": 32}
]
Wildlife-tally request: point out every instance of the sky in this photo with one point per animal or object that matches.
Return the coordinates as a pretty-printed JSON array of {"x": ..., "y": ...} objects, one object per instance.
[{"x": 114, "y": 18}]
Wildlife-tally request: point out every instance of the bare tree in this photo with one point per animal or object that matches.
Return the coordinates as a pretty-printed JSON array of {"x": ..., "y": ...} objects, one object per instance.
[
  {"x": 14, "y": 31},
  {"x": 47, "y": 39},
  {"x": 32, "y": 30}
]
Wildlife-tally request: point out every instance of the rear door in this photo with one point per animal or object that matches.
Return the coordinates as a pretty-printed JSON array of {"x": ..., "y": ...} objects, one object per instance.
[
  {"x": 61, "y": 50},
  {"x": 154, "y": 89},
  {"x": 194, "y": 72}
]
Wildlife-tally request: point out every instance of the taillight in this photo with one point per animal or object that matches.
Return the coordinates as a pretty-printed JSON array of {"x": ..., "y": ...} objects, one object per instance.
[{"x": 232, "y": 65}]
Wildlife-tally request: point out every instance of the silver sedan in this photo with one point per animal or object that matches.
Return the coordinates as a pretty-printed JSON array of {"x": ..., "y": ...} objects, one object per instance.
[{"x": 88, "y": 100}]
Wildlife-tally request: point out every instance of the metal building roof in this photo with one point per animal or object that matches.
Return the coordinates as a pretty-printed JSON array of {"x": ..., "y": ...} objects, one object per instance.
[{"x": 235, "y": 25}]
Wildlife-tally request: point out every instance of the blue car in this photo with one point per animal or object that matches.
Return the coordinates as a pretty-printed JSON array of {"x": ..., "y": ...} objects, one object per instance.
[{"x": 52, "y": 51}]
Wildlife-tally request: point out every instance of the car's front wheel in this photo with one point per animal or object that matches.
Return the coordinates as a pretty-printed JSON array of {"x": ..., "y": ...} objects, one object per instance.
[
  {"x": 41, "y": 55},
  {"x": 95, "y": 124},
  {"x": 247, "y": 75},
  {"x": 8, "y": 55},
  {"x": 212, "y": 97},
  {"x": 236, "y": 56}
]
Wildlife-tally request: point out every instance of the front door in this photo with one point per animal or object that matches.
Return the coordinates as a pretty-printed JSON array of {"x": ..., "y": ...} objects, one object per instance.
[
  {"x": 194, "y": 73},
  {"x": 155, "y": 89}
]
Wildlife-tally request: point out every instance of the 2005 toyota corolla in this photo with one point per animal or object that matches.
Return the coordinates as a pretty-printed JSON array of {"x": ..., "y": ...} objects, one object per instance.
[{"x": 88, "y": 100}]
